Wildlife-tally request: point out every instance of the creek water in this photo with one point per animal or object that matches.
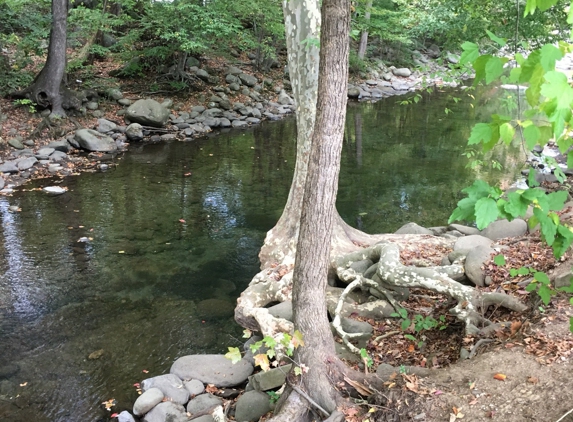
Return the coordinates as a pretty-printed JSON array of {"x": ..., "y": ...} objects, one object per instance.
[{"x": 131, "y": 268}]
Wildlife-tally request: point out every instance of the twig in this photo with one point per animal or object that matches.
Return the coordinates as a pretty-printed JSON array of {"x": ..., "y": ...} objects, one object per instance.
[
  {"x": 308, "y": 399},
  {"x": 386, "y": 335},
  {"x": 563, "y": 417},
  {"x": 477, "y": 345}
]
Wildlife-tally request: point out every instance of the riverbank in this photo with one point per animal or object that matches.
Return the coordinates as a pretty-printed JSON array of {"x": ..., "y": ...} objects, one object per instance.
[{"x": 232, "y": 96}]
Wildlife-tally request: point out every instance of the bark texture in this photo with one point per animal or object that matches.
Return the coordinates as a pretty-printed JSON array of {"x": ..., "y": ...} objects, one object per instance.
[
  {"x": 46, "y": 90},
  {"x": 317, "y": 216},
  {"x": 364, "y": 35}
]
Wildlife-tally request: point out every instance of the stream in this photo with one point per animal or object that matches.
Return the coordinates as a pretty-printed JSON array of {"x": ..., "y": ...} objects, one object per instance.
[{"x": 133, "y": 267}]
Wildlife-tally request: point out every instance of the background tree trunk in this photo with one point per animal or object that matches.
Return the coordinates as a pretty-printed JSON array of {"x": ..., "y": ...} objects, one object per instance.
[
  {"x": 302, "y": 22},
  {"x": 364, "y": 36},
  {"x": 318, "y": 211},
  {"x": 46, "y": 88}
]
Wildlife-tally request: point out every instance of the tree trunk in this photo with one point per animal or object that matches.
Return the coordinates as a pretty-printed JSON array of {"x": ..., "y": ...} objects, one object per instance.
[
  {"x": 318, "y": 212},
  {"x": 364, "y": 36},
  {"x": 302, "y": 22},
  {"x": 46, "y": 88}
]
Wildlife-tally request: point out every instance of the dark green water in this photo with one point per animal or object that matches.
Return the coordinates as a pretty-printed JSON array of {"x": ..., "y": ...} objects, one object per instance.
[{"x": 168, "y": 253}]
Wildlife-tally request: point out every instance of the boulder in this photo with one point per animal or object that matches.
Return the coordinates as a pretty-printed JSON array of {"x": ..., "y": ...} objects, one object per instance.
[
  {"x": 282, "y": 310},
  {"x": 247, "y": 79},
  {"x": 464, "y": 229},
  {"x": 148, "y": 112},
  {"x": 203, "y": 75},
  {"x": 203, "y": 403},
  {"x": 269, "y": 380},
  {"x": 147, "y": 401},
  {"x": 452, "y": 58},
  {"x": 502, "y": 228},
  {"x": 413, "y": 228},
  {"x": 195, "y": 387},
  {"x": 474, "y": 262},
  {"x": 466, "y": 243},
  {"x": 239, "y": 123},
  {"x": 233, "y": 70},
  {"x": 284, "y": 98},
  {"x": 403, "y": 72},
  {"x": 16, "y": 143},
  {"x": 170, "y": 385},
  {"x": 166, "y": 412},
  {"x": 92, "y": 140},
  {"x": 114, "y": 93},
  {"x": 105, "y": 126},
  {"x": 353, "y": 92},
  {"x": 125, "y": 416},
  {"x": 134, "y": 132},
  {"x": 212, "y": 369},
  {"x": 61, "y": 145},
  {"x": 27, "y": 163},
  {"x": 251, "y": 406}
]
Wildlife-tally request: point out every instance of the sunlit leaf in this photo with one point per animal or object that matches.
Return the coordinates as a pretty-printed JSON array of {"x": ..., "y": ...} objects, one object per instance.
[
  {"x": 486, "y": 212},
  {"x": 262, "y": 360},
  {"x": 499, "y": 260},
  {"x": 470, "y": 53},
  {"x": 549, "y": 55},
  {"x": 496, "y": 39},
  {"x": 507, "y": 132},
  {"x": 234, "y": 354}
]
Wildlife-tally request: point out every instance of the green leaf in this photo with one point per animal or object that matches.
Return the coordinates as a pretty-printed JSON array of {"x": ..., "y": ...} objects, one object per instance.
[
  {"x": 494, "y": 38},
  {"x": 548, "y": 227},
  {"x": 531, "y": 134},
  {"x": 570, "y": 159},
  {"x": 297, "y": 371},
  {"x": 545, "y": 4},
  {"x": 493, "y": 69},
  {"x": 535, "y": 82},
  {"x": 531, "y": 181},
  {"x": 557, "y": 200},
  {"x": 513, "y": 272},
  {"x": 545, "y": 294},
  {"x": 546, "y": 134},
  {"x": 530, "y": 7},
  {"x": 470, "y": 54},
  {"x": 549, "y": 55},
  {"x": 481, "y": 132},
  {"x": 234, "y": 354},
  {"x": 541, "y": 277},
  {"x": 507, "y": 132},
  {"x": 479, "y": 66},
  {"x": 486, "y": 212},
  {"x": 499, "y": 260},
  {"x": 516, "y": 206},
  {"x": 405, "y": 324},
  {"x": 570, "y": 14},
  {"x": 556, "y": 86}
]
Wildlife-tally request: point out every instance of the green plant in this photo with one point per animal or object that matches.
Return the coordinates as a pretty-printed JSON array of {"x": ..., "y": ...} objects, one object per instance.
[
  {"x": 366, "y": 358},
  {"x": 25, "y": 102},
  {"x": 282, "y": 345},
  {"x": 273, "y": 396}
]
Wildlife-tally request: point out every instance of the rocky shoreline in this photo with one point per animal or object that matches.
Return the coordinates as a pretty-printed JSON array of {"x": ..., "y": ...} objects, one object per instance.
[{"x": 233, "y": 99}]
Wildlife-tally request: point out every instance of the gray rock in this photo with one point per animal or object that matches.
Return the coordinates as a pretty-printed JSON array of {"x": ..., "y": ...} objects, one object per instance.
[
  {"x": 403, "y": 72},
  {"x": 147, "y": 401},
  {"x": 170, "y": 385},
  {"x": 472, "y": 241},
  {"x": 474, "y": 261},
  {"x": 233, "y": 70},
  {"x": 27, "y": 163},
  {"x": 167, "y": 103},
  {"x": 212, "y": 369},
  {"x": 231, "y": 79},
  {"x": 148, "y": 112},
  {"x": 168, "y": 137},
  {"x": 247, "y": 79},
  {"x": 234, "y": 86},
  {"x": 29, "y": 143},
  {"x": 92, "y": 140},
  {"x": 92, "y": 105},
  {"x": 282, "y": 310},
  {"x": 195, "y": 387},
  {"x": 2, "y": 184},
  {"x": 124, "y": 102},
  {"x": 413, "y": 228},
  {"x": 47, "y": 151},
  {"x": 468, "y": 231},
  {"x": 251, "y": 406},
  {"x": 166, "y": 412},
  {"x": 452, "y": 58},
  {"x": 197, "y": 109},
  {"x": 225, "y": 104},
  {"x": 353, "y": 92},
  {"x": 192, "y": 61},
  {"x": 99, "y": 113},
  {"x": 61, "y": 145},
  {"x": 203, "y": 75},
  {"x": 268, "y": 380},
  {"x": 502, "y": 228},
  {"x": 9, "y": 167},
  {"x": 433, "y": 51},
  {"x": 125, "y": 416},
  {"x": 114, "y": 93},
  {"x": 353, "y": 326},
  {"x": 253, "y": 120},
  {"x": 203, "y": 403},
  {"x": 16, "y": 143},
  {"x": 204, "y": 418},
  {"x": 54, "y": 190},
  {"x": 284, "y": 99},
  {"x": 134, "y": 132},
  {"x": 105, "y": 126},
  {"x": 224, "y": 122},
  {"x": 239, "y": 124}
]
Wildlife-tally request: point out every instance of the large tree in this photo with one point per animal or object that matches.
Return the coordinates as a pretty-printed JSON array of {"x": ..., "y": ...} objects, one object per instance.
[{"x": 46, "y": 90}]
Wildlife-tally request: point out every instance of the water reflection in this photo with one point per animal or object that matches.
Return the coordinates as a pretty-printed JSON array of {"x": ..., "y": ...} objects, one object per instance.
[{"x": 146, "y": 260}]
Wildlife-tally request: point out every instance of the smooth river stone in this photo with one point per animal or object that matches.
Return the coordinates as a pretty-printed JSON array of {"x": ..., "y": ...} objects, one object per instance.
[{"x": 212, "y": 369}]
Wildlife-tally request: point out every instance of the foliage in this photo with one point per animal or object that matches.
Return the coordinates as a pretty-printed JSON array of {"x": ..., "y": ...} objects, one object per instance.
[
  {"x": 25, "y": 102},
  {"x": 419, "y": 322},
  {"x": 550, "y": 98},
  {"x": 282, "y": 345}
]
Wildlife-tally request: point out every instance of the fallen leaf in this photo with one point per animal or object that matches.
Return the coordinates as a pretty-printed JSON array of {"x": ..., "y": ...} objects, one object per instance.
[
  {"x": 181, "y": 220},
  {"x": 411, "y": 348},
  {"x": 500, "y": 377},
  {"x": 145, "y": 371},
  {"x": 24, "y": 384},
  {"x": 533, "y": 380},
  {"x": 114, "y": 415}
]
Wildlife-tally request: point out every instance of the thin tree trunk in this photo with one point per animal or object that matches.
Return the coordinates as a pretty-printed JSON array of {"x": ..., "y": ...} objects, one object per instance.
[
  {"x": 318, "y": 211},
  {"x": 364, "y": 36}
]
